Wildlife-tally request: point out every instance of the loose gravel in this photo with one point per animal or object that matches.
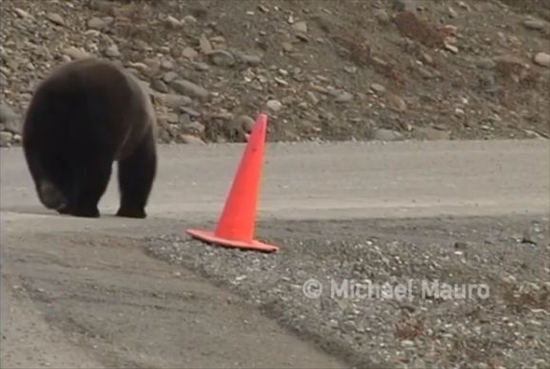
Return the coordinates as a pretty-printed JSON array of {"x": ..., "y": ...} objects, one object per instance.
[{"x": 430, "y": 293}]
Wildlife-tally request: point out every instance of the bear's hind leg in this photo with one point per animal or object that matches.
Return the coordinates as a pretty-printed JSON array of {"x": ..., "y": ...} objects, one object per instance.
[
  {"x": 92, "y": 179},
  {"x": 136, "y": 174}
]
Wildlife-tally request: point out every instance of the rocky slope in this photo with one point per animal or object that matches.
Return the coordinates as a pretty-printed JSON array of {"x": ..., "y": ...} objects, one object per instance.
[{"x": 382, "y": 70}]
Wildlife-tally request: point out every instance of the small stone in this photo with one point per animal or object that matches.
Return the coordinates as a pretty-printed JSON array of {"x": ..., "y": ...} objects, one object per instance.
[
  {"x": 407, "y": 343},
  {"x": 542, "y": 59},
  {"x": 460, "y": 245},
  {"x": 7, "y": 114},
  {"x": 432, "y": 134},
  {"x": 395, "y": 102},
  {"x": 427, "y": 58},
  {"x": 173, "y": 22},
  {"x": 287, "y": 47},
  {"x": 418, "y": 363},
  {"x": 382, "y": 134},
  {"x": 193, "y": 128},
  {"x": 426, "y": 74},
  {"x": 459, "y": 112},
  {"x": 252, "y": 60},
  {"x": 200, "y": 66},
  {"x": 220, "y": 40},
  {"x": 97, "y": 23},
  {"x": 452, "y": 13},
  {"x": 222, "y": 58},
  {"x": 403, "y": 5},
  {"x": 313, "y": 99},
  {"x": 245, "y": 122},
  {"x": 170, "y": 76},
  {"x": 153, "y": 63},
  {"x": 23, "y": 14},
  {"x": 5, "y": 139},
  {"x": 159, "y": 85},
  {"x": 189, "y": 53},
  {"x": 528, "y": 237},
  {"x": 142, "y": 45},
  {"x": 191, "y": 112},
  {"x": 55, "y": 19},
  {"x": 302, "y": 37},
  {"x": 190, "y": 139},
  {"x": 274, "y": 105},
  {"x": 112, "y": 51},
  {"x": 171, "y": 118},
  {"x": 75, "y": 53},
  {"x": 350, "y": 69},
  {"x": 343, "y": 97},
  {"x": 382, "y": 16},
  {"x": 189, "y": 19},
  {"x": 535, "y": 24},
  {"x": 205, "y": 45},
  {"x": 142, "y": 67},
  {"x": 173, "y": 101},
  {"x": 189, "y": 88},
  {"x": 167, "y": 65},
  {"x": 485, "y": 63},
  {"x": 463, "y": 5},
  {"x": 300, "y": 26},
  {"x": 378, "y": 88},
  {"x": 451, "y": 48},
  {"x": 280, "y": 81},
  {"x": 511, "y": 66},
  {"x": 164, "y": 135},
  {"x": 308, "y": 127}
]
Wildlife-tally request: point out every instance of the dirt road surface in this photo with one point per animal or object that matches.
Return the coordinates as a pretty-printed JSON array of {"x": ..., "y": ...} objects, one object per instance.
[{"x": 82, "y": 293}]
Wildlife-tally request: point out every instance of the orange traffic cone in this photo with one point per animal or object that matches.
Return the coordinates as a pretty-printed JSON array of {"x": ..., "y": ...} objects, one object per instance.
[{"x": 238, "y": 220}]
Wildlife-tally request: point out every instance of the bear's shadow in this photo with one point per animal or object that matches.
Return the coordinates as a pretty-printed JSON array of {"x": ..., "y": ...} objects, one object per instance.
[{"x": 36, "y": 210}]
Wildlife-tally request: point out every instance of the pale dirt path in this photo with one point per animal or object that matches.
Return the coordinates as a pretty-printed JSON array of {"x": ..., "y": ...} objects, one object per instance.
[{"x": 80, "y": 293}]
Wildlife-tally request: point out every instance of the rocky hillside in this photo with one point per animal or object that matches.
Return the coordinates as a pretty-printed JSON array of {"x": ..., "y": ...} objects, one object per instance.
[{"x": 323, "y": 70}]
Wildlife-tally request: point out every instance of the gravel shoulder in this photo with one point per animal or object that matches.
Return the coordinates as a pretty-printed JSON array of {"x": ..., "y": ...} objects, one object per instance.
[{"x": 501, "y": 323}]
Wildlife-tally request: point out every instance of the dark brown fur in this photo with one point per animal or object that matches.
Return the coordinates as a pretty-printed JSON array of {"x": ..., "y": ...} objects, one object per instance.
[{"x": 84, "y": 116}]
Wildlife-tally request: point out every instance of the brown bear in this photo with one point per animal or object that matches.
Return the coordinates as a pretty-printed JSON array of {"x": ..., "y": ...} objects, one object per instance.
[{"x": 84, "y": 116}]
